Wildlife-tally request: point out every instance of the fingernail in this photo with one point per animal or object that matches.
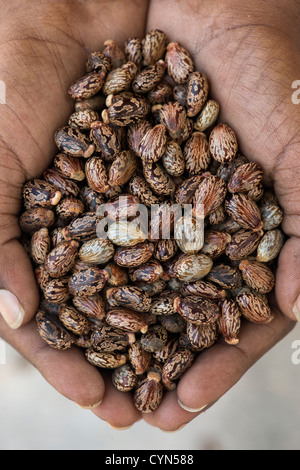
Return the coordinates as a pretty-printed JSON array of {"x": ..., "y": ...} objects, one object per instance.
[
  {"x": 11, "y": 309},
  {"x": 178, "y": 429},
  {"x": 191, "y": 410},
  {"x": 120, "y": 429},
  {"x": 296, "y": 309},
  {"x": 90, "y": 407}
]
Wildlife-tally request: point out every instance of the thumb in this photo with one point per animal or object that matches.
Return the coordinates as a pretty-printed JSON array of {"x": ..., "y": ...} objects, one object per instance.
[{"x": 19, "y": 295}]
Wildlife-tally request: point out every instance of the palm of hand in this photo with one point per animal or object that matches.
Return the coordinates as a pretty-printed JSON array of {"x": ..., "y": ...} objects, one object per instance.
[{"x": 252, "y": 85}]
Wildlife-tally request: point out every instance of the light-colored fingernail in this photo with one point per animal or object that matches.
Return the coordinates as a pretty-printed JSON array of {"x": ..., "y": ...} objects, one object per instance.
[
  {"x": 120, "y": 429},
  {"x": 296, "y": 309},
  {"x": 90, "y": 407},
  {"x": 178, "y": 429},
  {"x": 191, "y": 410},
  {"x": 11, "y": 309}
]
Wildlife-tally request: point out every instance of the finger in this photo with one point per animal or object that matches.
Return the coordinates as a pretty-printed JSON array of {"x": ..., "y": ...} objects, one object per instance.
[
  {"x": 19, "y": 294},
  {"x": 215, "y": 371},
  {"x": 117, "y": 408},
  {"x": 288, "y": 279},
  {"x": 67, "y": 371}
]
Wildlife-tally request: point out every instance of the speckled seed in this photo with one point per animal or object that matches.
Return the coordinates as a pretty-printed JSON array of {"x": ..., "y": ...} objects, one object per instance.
[
  {"x": 126, "y": 111},
  {"x": 139, "y": 187},
  {"x": 189, "y": 234},
  {"x": 229, "y": 321},
  {"x": 223, "y": 143},
  {"x": 130, "y": 297},
  {"x": 105, "y": 139},
  {"x": 270, "y": 246},
  {"x": 40, "y": 245},
  {"x": 164, "y": 303},
  {"x": 208, "y": 116},
  {"x": 150, "y": 272},
  {"x": 166, "y": 351},
  {"x": 139, "y": 358},
  {"x": 135, "y": 133},
  {"x": 39, "y": 193},
  {"x": 154, "y": 46},
  {"x": 114, "y": 53},
  {"x": 173, "y": 116},
  {"x": 209, "y": 195},
  {"x": 225, "y": 276},
  {"x": 119, "y": 79},
  {"x": 122, "y": 168},
  {"x": 108, "y": 339},
  {"x": 121, "y": 207},
  {"x": 70, "y": 167},
  {"x": 189, "y": 268},
  {"x": 271, "y": 213},
  {"x": 62, "y": 258},
  {"x": 62, "y": 183},
  {"x": 83, "y": 119},
  {"x": 153, "y": 144},
  {"x": 87, "y": 86},
  {"x": 87, "y": 282},
  {"x": 218, "y": 216},
  {"x": 215, "y": 243},
  {"x": 173, "y": 159},
  {"x": 202, "y": 336},
  {"x": 97, "y": 62},
  {"x": 149, "y": 77},
  {"x": 197, "y": 93},
  {"x": 175, "y": 366},
  {"x": 96, "y": 251},
  {"x": 185, "y": 192},
  {"x": 69, "y": 208},
  {"x": 57, "y": 290},
  {"x": 42, "y": 276},
  {"x": 165, "y": 249},
  {"x": 245, "y": 178},
  {"x": 161, "y": 93},
  {"x": 133, "y": 50},
  {"x": 73, "y": 320},
  {"x": 53, "y": 332},
  {"x": 149, "y": 394},
  {"x": 154, "y": 339},
  {"x": 197, "y": 310},
  {"x": 196, "y": 153},
  {"x": 96, "y": 175},
  {"x": 243, "y": 243},
  {"x": 159, "y": 180},
  {"x": 81, "y": 228},
  {"x": 74, "y": 143},
  {"x": 91, "y": 198},
  {"x": 179, "y": 62},
  {"x": 130, "y": 257},
  {"x": 127, "y": 320},
  {"x": 91, "y": 306},
  {"x": 153, "y": 289},
  {"x": 204, "y": 289},
  {"x": 254, "y": 308},
  {"x": 244, "y": 211},
  {"x": 257, "y": 275},
  {"x": 124, "y": 378},
  {"x": 105, "y": 360}
]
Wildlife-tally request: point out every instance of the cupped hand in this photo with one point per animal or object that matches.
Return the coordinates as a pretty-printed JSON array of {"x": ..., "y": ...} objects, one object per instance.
[
  {"x": 251, "y": 54},
  {"x": 43, "y": 50}
]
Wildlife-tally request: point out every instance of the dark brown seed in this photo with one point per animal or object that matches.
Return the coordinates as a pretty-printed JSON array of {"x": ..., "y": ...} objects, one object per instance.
[
  {"x": 230, "y": 321},
  {"x": 69, "y": 208},
  {"x": 96, "y": 175},
  {"x": 35, "y": 219},
  {"x": 105, "y": 360},
  {"x": 257, "y": 275},
  {"x": 245, "y": 178},
  {"x": 119, "y": 79},
  {"x": 91, "y": 306},
  {"x": 62, "y": 258},
  {"x": 133, "y": 49},
  {"x": 57, "y": 290},
  {"x": 87, "y": 282},
  {"x": 139, "y": 358},
  {"x": 164, "y": 303},
  {"x": 149, "y": 394},
  {"x": 166, "y": 351},
  {"x": 130, "y": 297},
  {"x": 70, "y": 167},
  {"x": 122, "y": 168},
  {"x": 127, "y": 320},
  {"x": 139, "y": 187},
  {"x": 39, "y": 193},
  {"x": 185, "y": 192},
  {"x": 243, "y": 243},
  {"x": 215, "y": 243},
  {"x": 149, "y": 77},
  {"x": 53, "y": 332},
  {"x": 127, "y": 110},
  {"x": 203, "y": 289},
  {"x": 91, "y": 199},
  {"x": 135, "y": 133},
  {"x": 114, "y": 53},
  {"x": 202, "y": 336},
  {"x": 244, "y": 211},
  {"x": 175, "y": 366},
  {"x": 40, "y": 245},
  {"x": 106, "y": 139},
  {"x": 73, "y": 320},
  {"x": 108, "y": 339},
  {"x": 87, "y": 86},
  {"x": 159, "y": 180},
  {"x": 150, "y": 272},
  {"x": 154, "y": 46},
  {"x": 174, "y": 323},
  {"x": 164, "y": 250},
  {"x": 133, "y": 256},
  {"x": 97, "y": 62},
  {"x": 117, "y": 275},
  {"x": 197, "y": 310},
  {"x": 61, "y": 182},
  {"x": 197, "y": 93},
  {"x": 154, "y": 339},
  {"x": 209, "y": 195},
  {"x": 225, "y": 276},
  {"x": 161, "y": 93},
  {"x": 74, "y": 143},
  {"x": 254, "y": 308},
  {"x": 82, "y": 228},
  {"x": 196, "y": 153},
  {"x": 173, "y": 116}
]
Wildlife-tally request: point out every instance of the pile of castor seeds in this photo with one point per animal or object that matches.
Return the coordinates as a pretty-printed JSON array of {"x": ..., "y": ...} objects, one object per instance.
[{"x": 145, "y": 132}]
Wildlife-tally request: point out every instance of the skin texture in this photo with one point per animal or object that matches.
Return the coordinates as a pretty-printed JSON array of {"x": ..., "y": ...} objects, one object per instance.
[{"x": 250, "y": 52}]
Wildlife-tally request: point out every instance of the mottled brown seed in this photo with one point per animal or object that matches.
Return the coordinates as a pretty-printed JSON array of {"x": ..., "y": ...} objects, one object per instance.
[
  {"x": 270, "y": 246},
  {"x": 83, "y": 119},
  {"x": 173, "y": 160},
  {"x": 125, "y": 233},
  {"x": 165, "y": 249},
  {"x": 197, "y": 93},
  {"x": 105, "y": 139},
  {"x": 245, "y": 178},
  {"x": 70, "y": 167},
  {"x": 149, "y": 77},
  {"x": 57, "y": 290},
  {"x": 166, "y": 351},
  {"x": 118, "y": 276},
  {"x": 215, "y": 243},
  {"x": 119, "y": 79},
  {"x": 202, "y": 336},
  {"x": 127, "y": 320},
  {"x": 97, "y": 62},
  {"x": 185, "y": 192},
  {"x": 114, "y": 53},
  {"x": 122, "y": 168},
  {"x": 179, "y": 62},
  {"x": 173, "y": 323},
  {"x": 53, "y": 332},
  {"x": 139, "y": 187},
  {"x": 91, "y": 306},
  {"x": 154, "y": 339},
  {"x": 91, "y": 199},
  {"x": 40, "y": 245},
  {"x": 96, "y": 174},
  {"x": 230, "y": 321},
  {"x": 87, "y": 282},
  {"x": 133, "y": 49},
  {"x": 96, "y": 251},
  {"x": 204, "y": 289},
  {"x": 124, "y": 378},
  {"x": 161, "y": 93},
  {"x": 189, "y": 234},
  {"x": 108, "y": 339},
  {"x": 150, "y": 272},
  {"x": 175, "y": 366},
  {"x": 130, "y": 297},
  {"x": 197, "y": 310},
  {"x": 154, "y": 46},
  {"x": 69, "y": 208},
  {"x": 254, "y": 308},
  {"x": 173, "y": 116},
  {"x": 244, "y": 211},
  {"x": 61, "y": 182},
  {"x": 139, "y": 358},
  {"x": 257, "y": 275},
  {"x": 190, "y": 268},
  {"x": 243, "y": 244},
  {"x": 223, "y": 143},
  {"x": 39, "y": 193},
  {"x": 135, "y": 133},
  {"x": 82, "y": 228},
  {"x": 130, "y": 257},
  {"x": 105, "y": 360},
  {"x": 35, "y": 219},
  {"x": 208, "y": 116},
  {"x": 225, "y": 276},
  {"x": 164, "y": 303},
  {"x": 159, "y": 180},
  {"x": 87, "y": 86},
  {"x": 271, "y": 212},
  {"x": 62, "y": 258},
  {"x": 74, "y": 143},
  {"x": 209, "y": 195},
  {"x": 153, "y": 144},
  {"x": 149, "y": 394},
  {"x": 126, "y": 111},
  {"x": 196, "y": 153},
  {"x": 73, "y": 320}
]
